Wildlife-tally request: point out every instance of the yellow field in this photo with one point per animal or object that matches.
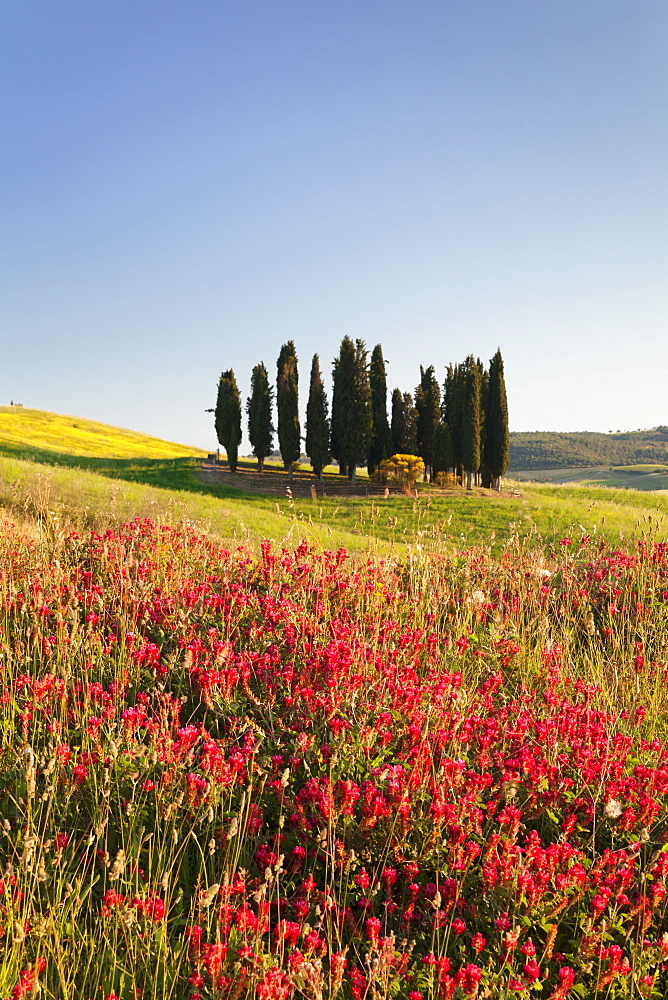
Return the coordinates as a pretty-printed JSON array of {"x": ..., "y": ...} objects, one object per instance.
[{"x": 23, "y": 430}]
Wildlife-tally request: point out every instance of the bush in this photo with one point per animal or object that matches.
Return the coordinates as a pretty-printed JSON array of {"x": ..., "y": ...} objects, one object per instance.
[{"x": 403, "y": 470}]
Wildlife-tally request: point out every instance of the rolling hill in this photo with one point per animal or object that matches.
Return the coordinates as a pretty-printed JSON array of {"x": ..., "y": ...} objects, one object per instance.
[
  {"x": 582, "y": 449},
  {"x": 38, "y": 434},
  {"x": 62, "y": 470}
]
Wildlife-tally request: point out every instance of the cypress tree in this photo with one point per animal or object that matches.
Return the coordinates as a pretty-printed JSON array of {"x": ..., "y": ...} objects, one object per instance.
[
  {"x": 442, "y": 450},
  {"x": 258, "y": 408},
  {"x": 317, "y": 423},
  {"x": 485, "y": 475},
  {"x": 411, "y": 425},
  {"x": 428, "y": 410},
  {"x": 287, "y": 403},
  {"x": 360, "y": 420},
  {"x": 227, "y": 419},
  {"x": 343, "y": 368},
  {"x": 351, "y": 407},
  {"x": 381, "y": 438},
  {"x": 397, "y": 421},
  {"x": 404, "y": 424},
  {"x": 472, "y": 418},
  {"x": 497, "y": 439},
  {"x": 452, "y": 413}
]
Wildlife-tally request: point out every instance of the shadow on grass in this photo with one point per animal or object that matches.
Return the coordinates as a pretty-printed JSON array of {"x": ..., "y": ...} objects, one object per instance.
[{"x": 165, "y": 473}]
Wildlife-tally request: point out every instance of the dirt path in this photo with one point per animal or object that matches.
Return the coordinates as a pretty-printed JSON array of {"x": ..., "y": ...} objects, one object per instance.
[{"x": 276, "y": 483}]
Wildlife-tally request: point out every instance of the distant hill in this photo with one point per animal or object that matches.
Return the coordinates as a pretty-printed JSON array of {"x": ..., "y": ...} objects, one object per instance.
[
  {"x": 554, "y": 450},
  {"x": 43, "y": 436}
]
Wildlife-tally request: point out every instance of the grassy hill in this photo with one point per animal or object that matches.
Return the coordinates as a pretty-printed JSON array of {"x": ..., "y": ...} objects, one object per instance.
[
  {"x": 624, "y": 477},
  {"x": 553, "y": 450},
  {"x": 76, "y": 477},
  {"x": 44, "y": 436}
]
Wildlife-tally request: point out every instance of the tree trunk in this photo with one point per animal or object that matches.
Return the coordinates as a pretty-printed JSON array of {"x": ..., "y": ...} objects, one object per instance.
[
  {"x": 468, "y": 479},
  {"x": 343, "y": 470}
]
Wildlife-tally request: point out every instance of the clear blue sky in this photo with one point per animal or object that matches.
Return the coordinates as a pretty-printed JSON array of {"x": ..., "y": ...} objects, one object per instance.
[{"x": 187, "y": 184}]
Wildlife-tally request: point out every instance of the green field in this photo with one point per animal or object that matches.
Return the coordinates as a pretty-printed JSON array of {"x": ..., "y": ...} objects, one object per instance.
[
  {"x": 81, "y": 474},
  {"x": 628, "y": 477},
  {"x": 475, "y": 700}
]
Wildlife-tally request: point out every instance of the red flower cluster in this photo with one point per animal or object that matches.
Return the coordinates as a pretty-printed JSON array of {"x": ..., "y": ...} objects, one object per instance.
[{"x": 343, "y": 779}]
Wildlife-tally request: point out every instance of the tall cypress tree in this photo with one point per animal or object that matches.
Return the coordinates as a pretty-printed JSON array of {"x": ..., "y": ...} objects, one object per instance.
[
  {"x": 452, "y": 413},
  {"x": 258, "y": 408},
  {"x": 359, "y": 424},
  {"x": 410, "y": 416},
  {"x": 381, "y": 438},
  {"x": 227, "y": 419},
  {"x": 397, "y": 421},
  {"x": 351, "y": 407},
  {"x": 343, "y": 368},
  {"x": 404, "y": 424},
  {"x": 442, "y": 451},
  {"x": 317, "y": 423},
  {"x": 497, "y": 438},
  {"x": 287, "y": 404},
  {"x": 428, "y": 409},
  {"x": 484, "y": 475},
  {"x": 472, "y": 418}
]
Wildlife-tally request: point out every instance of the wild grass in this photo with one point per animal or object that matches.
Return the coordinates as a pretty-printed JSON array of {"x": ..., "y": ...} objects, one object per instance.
[
  {"x": 168, "y": 489},
  {"x": 73, "y": 460},
  {"x": 290, "y": 774},
  {"x": 433, "y": 769}
]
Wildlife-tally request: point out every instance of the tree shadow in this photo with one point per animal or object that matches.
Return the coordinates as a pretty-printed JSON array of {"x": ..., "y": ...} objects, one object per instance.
[{"x": 167, "y": 473}]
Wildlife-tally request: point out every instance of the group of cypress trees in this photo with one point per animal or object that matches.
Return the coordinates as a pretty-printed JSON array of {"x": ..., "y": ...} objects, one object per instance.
[{"x": 462, "y": 429}]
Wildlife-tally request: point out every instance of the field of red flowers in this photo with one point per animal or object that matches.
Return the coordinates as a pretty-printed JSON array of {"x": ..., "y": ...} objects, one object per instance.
[{"x": 288, "y": 774}]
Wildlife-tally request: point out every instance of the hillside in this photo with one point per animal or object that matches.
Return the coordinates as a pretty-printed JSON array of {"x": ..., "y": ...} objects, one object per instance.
[
  {"x": 554, "y": 450},
  {"x": 651, "y": 477},
  {"x": 164, "y": 481},
  {"x": 44, "y": 436}
]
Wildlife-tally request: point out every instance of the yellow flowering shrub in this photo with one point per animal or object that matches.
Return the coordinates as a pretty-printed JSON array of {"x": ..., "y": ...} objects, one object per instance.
[{"x": 402, "y": 470}]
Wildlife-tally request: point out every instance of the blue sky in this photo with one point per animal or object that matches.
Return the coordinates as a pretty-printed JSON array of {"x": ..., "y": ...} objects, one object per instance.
[{"x": 188, "y": 184}]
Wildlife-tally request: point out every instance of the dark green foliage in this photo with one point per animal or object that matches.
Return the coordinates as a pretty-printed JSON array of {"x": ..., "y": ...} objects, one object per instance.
[
  {"x": 227, "y": 418},
  {"x": 442, "y": 449},
  {"x": 428, "y": 410},
  {"x": 404, "y": 424},
  {"x": 287, "y": 404},
  {"x": 342, "y": 378},
  {"x": 496, "y": 436},
  {"x": 452, "y": 411},
  {"x": 579, "y": 449},
  {"x": 317, "y": 422},
  {"x": 397, "y": 421},
  {"x": 472, "y": 417},
  {"x": 381, "y": 437},
  {"x": 351, "y": 407},
  {"x": 258, "y": 408}
]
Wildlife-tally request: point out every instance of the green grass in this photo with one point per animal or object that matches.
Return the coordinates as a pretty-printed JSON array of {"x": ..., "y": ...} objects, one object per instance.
[
  {"x": 58, "y": 493},
  {"x": 455, "y": 517},
  {"x": 650, "y": 476},
  {"x": 142, "y": 476}
]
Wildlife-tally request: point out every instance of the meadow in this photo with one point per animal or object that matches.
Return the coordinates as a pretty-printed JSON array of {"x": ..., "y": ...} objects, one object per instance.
[
  {"x": 432, "y": 766},
  {"x": 648, "y": 476}
]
